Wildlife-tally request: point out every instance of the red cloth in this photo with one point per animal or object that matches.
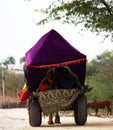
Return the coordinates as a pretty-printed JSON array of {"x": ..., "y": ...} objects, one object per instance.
[
  {"x": 43, "y": 87},
  {"x": 24, "y": 95}
]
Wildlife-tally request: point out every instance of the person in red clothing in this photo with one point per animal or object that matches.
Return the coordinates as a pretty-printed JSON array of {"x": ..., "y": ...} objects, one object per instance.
[
  {"x": 46, "y": 84},
  {"x": 48, "y": 81},
  {"x": 55, "y": 78},
  {"x": 59, "y": 78}
]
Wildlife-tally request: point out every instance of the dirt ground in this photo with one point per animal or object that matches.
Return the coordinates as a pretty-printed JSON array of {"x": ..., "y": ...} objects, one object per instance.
[{"x": 17, "y": 119}]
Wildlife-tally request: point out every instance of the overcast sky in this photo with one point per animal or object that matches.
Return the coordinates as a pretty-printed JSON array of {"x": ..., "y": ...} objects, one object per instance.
[{"x": 19, "y": 32}]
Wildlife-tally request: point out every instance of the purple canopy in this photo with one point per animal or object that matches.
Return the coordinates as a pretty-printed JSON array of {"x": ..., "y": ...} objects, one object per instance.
[{"x": 50, "y": 51}]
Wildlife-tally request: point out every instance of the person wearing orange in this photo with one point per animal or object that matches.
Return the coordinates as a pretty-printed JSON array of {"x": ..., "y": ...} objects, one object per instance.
[
  {"x": 48, "y": 81},
  {"x": 55, "y": 78},
  {"x": 59, "y": 78}
]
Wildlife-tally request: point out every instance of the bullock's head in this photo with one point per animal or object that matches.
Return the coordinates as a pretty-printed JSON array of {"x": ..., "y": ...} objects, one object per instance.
[{"x": 88, "y": 105}]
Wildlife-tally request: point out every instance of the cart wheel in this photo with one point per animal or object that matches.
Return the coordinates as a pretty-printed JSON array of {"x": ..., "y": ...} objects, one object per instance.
[
  {"x": 80, "y": 110},
  {"x": 35, "y": 117}
]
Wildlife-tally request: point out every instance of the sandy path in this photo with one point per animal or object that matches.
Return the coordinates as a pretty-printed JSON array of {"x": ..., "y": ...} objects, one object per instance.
[
  {"x": 13, "y": 119},
  {"x": 17, "y": 119}
]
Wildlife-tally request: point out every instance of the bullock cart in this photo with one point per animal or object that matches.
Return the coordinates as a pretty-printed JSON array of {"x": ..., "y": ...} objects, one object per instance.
[{"x": 51, "y": 51}]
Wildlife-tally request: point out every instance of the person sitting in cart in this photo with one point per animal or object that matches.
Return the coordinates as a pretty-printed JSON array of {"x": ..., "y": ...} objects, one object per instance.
[
  {"x": 66, "y": 79},
  {"x": 56, "y": 78},
  {"x": 59, "y": 78},
  {"x": 48, "y": 81}
]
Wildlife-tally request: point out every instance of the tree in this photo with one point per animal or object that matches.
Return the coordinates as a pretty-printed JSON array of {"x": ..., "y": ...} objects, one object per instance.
[
  {"x": 101, "y": 65},
  {"x": 13, "y": 81},
  {"x": 9, "y": 60},
  {"x": 100, "y": 75},
  {"x": 105, "y": 68},
  {"x": 22, "y": 60},
  {"x": 95, "y": 15}
]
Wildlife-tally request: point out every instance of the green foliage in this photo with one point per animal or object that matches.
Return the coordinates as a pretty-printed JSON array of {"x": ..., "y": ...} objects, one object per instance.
[
  {"x": 12, "y": 82},
  {"x": 96, "y": 92},
  {"x": 22, "y": 60},
  {"x": 100, "y": 76},
  {"x": 96, "y": 15},
  {"x": 9, "y": 60}
]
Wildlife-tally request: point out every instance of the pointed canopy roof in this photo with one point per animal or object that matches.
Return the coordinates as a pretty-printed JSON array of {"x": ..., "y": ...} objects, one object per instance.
[{"x": 52, "y": 50}]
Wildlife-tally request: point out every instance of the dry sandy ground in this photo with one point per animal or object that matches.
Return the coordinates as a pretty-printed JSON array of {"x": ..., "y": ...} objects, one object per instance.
[{"x": 17, "y": 119}]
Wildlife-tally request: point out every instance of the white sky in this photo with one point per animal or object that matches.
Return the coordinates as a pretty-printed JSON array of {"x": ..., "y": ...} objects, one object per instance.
[{"x": 19, "y": 32}]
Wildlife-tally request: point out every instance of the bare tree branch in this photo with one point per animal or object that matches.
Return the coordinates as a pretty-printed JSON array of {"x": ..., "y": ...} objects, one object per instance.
[{"x": 107, "y": 6}]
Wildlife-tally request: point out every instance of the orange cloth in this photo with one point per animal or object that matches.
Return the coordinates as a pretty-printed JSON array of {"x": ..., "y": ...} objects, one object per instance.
[
  {"x": 46, "y": 83},
  {"x": 24, "y": 94}
]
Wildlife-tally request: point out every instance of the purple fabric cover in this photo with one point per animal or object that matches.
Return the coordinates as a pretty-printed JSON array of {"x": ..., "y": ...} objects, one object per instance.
[{"x": 52, "y": 48}]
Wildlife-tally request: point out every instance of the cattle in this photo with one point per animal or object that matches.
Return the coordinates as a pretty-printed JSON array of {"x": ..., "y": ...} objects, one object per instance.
[
  {"x": 57, "y": 118},
  {"x": 100, "y": 104}
]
